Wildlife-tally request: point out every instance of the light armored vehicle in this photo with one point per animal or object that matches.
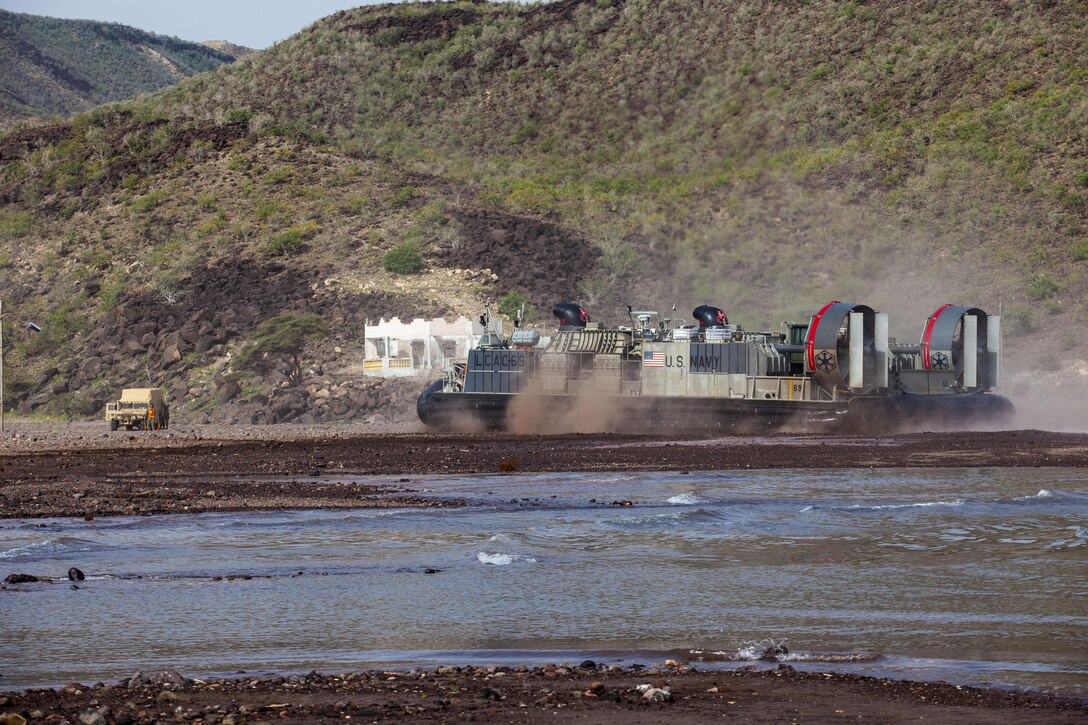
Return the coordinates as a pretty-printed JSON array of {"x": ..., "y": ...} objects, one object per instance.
[
  {"x": 139, "y": 408},
  {"x": 840, "y": 371}
]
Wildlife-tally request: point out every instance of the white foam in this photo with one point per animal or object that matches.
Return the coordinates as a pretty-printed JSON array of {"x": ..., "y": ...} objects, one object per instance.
[
  {"x": 498, "y": 559},
  {"x": 892, "y": 506},
  {"x": 685, "y": 499},
  {"x": 46, "y": 548},
  {"x": 808, "y": 508},
  {"x": 501, "y": 539},
  {"x": 1043, "y": 493}
]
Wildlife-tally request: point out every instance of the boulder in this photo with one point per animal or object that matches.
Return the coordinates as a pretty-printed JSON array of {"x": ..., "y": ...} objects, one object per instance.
[
  {"x": 204, "y": 344},
  {"x": 189, "y": 333},
  {"x": 20, "y": 578},
  {"x": 227, "y": 392},
  {"x": 91, "y": 366},
  {"x": 170, "y": 355}
]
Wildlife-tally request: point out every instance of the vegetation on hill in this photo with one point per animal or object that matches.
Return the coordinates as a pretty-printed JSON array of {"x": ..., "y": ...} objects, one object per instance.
[
  {"x": 758, "y": 156},
  {"x": 51, "y": 66}
]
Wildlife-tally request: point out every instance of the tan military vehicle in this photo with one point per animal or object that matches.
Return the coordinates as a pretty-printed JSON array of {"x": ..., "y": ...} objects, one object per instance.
[{"x": 139, "y": 409}]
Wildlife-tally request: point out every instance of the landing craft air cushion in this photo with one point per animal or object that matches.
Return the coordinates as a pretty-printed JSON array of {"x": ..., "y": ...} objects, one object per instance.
[{"x": 838, "y": 372}]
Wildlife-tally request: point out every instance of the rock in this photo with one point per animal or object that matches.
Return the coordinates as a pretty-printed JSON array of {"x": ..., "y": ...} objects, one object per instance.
[
  {"x": 92, "y": 717},
  {"x": 91, "y": 366},
  {"x": 588, "y": 665},
  {"x": 227, "y": 392},
  {"x": 189, "y": 333},
  {"x": 168, "y": 677},
  {"x": 655, "y": 694},
  {"x": 75, "y": 575},
  {"x": 773, "y": 651},
  {"x": 20, "y": 578},
  {"x": 47, "y": 375},
  {"x": 145, "y": 329},
  {"x": 139, "y": 679},
  {"x": 11, "y": 718},
  {"x": 170, "y": 355},
  {"x": 167, "y": 696},
  {"x": 204, "y": 344}
]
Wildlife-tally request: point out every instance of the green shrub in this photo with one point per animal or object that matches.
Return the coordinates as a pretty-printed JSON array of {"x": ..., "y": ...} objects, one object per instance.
[
  {"x": 278, "y": 176},
  {"x": 404, "y": 195},
  {"x": 1080, "y": 250},
  {"x": 1019, "y": 319},
  {"x": 148, "y": 201},
  {"x": 1043, "y": 288},
  {"x": 289, "y": 243},
  {"x": 403, "y": 259},
  {"x": 15, "y": 223},
  {"x": 278, "y": 343},
  {"x": 270, "y": 210},
  {"x": 511, "y": 302},
  {"x": 236, "y": 115}
]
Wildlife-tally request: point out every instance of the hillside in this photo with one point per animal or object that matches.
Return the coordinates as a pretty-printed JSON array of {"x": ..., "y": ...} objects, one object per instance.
[
  {"x": 51, "y": 66},
  {"x": 761, "y": 157}
]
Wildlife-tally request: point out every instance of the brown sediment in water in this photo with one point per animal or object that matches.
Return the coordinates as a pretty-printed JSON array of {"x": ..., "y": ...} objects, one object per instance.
[
  {"x": 228, "y": 469},
  {"x": 553, "y": 693}
]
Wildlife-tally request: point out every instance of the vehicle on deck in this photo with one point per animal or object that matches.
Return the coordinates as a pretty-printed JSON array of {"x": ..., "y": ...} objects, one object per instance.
[
  {"x": 139, "y": 409},
  {"x": 840, "y": 371}
]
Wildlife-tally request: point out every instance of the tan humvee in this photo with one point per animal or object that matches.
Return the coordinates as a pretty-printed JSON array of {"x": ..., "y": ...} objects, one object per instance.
[{"x": 139, "y": 408}]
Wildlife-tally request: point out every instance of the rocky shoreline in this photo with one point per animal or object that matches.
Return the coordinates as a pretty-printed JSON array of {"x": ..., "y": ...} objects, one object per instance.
[{"x": 672, "y": 691}]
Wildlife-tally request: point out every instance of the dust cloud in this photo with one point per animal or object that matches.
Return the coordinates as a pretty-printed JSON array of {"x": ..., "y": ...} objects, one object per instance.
[
  {"x": 1053, "y": 400},
  {"x": 531, "y": 412}
]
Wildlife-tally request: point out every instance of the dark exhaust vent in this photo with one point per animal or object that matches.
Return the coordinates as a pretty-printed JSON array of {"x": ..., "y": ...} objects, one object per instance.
[
  {"x": 570, "y": 315},
  {"x": 709, "y": 316}
]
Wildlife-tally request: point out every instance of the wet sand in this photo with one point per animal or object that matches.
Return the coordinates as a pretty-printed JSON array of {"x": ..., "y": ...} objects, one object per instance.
[
  {"x": 64, "y": 471},
  {"x": 50, "y": 472}
]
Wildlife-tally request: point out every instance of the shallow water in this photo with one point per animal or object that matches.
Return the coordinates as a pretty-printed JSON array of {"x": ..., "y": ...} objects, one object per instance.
[{"x": 972, "y": 576}]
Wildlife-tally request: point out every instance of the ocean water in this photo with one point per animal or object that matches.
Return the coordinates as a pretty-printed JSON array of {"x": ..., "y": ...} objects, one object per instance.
[{"x": 975, "y": 576}]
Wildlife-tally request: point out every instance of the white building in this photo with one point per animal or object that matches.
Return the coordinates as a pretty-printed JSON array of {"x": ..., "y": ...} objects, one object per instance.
[{"x": 395, "y": 348}]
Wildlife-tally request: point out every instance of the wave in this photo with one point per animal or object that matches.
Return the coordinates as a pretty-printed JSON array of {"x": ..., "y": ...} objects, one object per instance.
[
  {"x": 1043, "y": 493},
  {"x": 884, "y": 506},
  {"x": 497, "y": 559},
  {"x": 770, "y": 650},
  {"x": 60, "y": 546},
  {"x": 502, "y": 538},
  {"x": 685, "y": 499}
]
